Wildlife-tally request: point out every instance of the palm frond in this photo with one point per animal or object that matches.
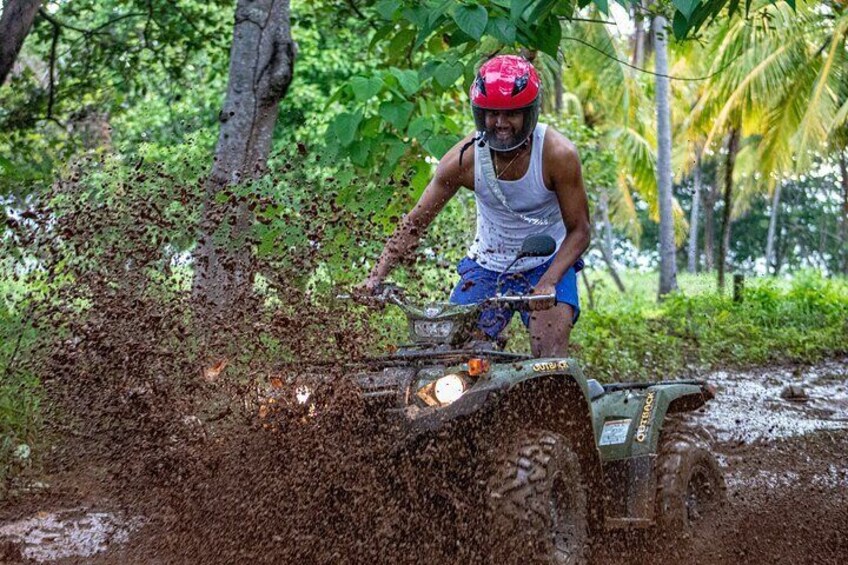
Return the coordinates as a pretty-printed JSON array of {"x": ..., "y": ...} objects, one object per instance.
[
  {"x": 623, "y": 210},
  {"x": 822, "y": 106},
  {"x": 639, "y": 161},
  {"x": 749, "y": 183}
]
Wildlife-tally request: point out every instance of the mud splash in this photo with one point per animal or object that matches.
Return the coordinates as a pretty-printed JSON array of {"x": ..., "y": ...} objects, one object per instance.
[
  {"x": 287, "y": 497},
  {"x": 154, "y": 397}
]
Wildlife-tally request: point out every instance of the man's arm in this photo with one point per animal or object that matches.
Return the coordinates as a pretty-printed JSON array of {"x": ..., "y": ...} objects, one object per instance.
[
  {"x": 564, "y": 172},
  {"x": 449, "y": 177}
]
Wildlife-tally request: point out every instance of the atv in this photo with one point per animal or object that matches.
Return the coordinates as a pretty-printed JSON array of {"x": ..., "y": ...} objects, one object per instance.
[{"x": 556, "y": 458}]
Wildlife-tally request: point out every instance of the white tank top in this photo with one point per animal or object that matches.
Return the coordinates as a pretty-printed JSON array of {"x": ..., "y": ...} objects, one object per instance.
[{"x": 501, "y": 231}]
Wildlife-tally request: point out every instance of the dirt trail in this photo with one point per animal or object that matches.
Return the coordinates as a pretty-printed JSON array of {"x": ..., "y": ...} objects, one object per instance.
[
  {"x": 786, "y": 466},
  {"x": 786, "y": 463}
]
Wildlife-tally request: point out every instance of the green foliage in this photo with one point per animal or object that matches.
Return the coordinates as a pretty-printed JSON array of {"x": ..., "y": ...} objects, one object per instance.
[
  {"x": 88, "y": 64},
  {"x": 799, "y": 321},
  {"x": 443, "y": 42},
  {"x": 20, "y": 397}
]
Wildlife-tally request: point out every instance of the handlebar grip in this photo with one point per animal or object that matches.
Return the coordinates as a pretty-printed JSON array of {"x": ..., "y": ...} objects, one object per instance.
[{"x": 522, "y": 300}]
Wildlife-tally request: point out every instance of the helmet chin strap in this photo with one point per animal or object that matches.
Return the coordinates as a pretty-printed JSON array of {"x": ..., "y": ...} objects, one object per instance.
[
  {"x": 480, "y": 140},
  {"x": 479, "y": 136},
  {"x": 521, "y": 145}
]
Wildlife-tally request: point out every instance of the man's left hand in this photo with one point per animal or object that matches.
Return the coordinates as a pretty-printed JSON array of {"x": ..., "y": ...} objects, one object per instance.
[{"x": 544, "y": 288}]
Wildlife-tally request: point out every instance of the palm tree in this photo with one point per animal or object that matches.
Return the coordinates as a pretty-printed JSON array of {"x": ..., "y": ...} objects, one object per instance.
[
  {"x": 602, "y": 95},
  {"x": 784, "y": 73},
  {"x": 668, "y": 263},
  {"x": 693, "y": 217},
  {"x": 843, "y": 227},
  {"x": 730, "y": 161},
  {"x": 614, "y": 99}
]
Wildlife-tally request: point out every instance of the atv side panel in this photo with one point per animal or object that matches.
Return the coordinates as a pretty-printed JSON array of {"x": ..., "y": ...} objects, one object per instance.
[
  {"x": 628, "y": 422},
  {"x": 627, "y": 428}
]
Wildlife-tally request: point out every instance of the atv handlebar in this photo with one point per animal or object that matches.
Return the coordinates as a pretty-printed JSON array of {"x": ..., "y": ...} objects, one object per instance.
[
  {"x": 390, "y": 293},
  {"x": 519, "y": 299}
]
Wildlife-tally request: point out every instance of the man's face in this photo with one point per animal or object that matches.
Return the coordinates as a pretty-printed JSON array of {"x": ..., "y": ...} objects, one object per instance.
[{"x": 504, "y": 126}]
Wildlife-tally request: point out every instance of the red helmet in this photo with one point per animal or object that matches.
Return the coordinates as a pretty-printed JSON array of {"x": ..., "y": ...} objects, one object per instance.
[{"x": 506, "y": 82}]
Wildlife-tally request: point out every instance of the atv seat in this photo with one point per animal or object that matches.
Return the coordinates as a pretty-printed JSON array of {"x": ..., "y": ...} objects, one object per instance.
[{"x": 595, "y": 389}]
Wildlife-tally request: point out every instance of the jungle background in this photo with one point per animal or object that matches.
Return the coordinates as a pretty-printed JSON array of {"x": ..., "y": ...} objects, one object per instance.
[{"x": 187, "y": 186}]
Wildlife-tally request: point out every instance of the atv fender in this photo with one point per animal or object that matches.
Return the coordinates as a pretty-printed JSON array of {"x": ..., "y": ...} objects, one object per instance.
[
  {"x": 667, "y": 399},
  {"x": 541, "y": 394},
  {"x": 629, "y": 463}
]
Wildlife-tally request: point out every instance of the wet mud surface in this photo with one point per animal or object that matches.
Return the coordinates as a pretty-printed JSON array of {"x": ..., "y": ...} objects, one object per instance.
[{"x": 329, "y": 496}]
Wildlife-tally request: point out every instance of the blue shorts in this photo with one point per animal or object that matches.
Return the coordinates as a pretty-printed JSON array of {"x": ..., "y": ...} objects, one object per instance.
[{"x": 477, "y": 284}]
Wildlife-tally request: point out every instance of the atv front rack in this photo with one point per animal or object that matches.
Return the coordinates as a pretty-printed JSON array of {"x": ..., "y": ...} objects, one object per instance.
[{"x": 448, "y": 356}]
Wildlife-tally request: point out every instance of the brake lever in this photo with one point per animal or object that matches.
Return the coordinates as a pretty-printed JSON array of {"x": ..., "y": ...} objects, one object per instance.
[{"x": 390, "y": 293}]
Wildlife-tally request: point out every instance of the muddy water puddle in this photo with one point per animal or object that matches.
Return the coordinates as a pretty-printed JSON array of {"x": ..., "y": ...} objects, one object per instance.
[
  {"x": 765, "y": 407},
  {"x": 78, "y": 532},
  {"x": 832, "y": 478},
  {"x": 749, "y": 407}
]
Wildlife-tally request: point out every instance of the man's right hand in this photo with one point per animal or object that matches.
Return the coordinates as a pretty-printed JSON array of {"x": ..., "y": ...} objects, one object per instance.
[
  {"x": 371, "y": 285},
  {"x": 366, "y": 292}
]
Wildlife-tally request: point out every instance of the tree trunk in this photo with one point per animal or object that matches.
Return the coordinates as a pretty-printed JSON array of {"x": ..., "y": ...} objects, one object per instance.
[
  {"x": 15, "y": 24},
  {"x": 843, "y": 227},
  {"x": 710, "y": 194},
  {"x": 606, "y": 240},
  {"x": 732, "y": 150},
  {"x": 778, "y": 250},
  {"x": 693, "y": 217},
  {"x": 668, "y": 261},
  {"x": 261, "y": 69},
  {"x": 771, "y": 264},
  {"x": 639, "y": 35},
  {"x": 558, "y": 90}
]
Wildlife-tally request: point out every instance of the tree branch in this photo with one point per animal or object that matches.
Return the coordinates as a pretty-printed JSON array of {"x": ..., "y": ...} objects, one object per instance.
[
  {"x": 585, "y": 20},
  {"x": 362, "y": 16},
  {"x": 52, "y": 92},
  {"x": 355, "y": 9},
  {"x": 88, "y": 32}
]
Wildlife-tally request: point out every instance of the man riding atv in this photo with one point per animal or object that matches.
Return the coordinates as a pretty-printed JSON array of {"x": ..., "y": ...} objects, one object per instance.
[
  {"x": 526, "y": 180},
  {"x": 556, "y": 461}
]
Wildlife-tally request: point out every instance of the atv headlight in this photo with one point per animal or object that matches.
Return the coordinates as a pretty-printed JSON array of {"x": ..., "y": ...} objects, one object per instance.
[
  {"x": 433, "y": 329},
  {"x": 444, "y": 390},
  {"x": 449, "y": 388}
]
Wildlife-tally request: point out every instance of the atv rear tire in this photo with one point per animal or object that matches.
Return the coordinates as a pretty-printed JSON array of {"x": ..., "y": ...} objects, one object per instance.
[
  {"x": 538, "y": 502},
  {"x": 690, "y": 484}
]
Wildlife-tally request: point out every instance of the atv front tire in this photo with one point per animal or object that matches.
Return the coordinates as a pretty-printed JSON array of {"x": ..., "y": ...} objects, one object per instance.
[
  {"x": 538, "y": 502},
  {"x": 690, "y": 485}
]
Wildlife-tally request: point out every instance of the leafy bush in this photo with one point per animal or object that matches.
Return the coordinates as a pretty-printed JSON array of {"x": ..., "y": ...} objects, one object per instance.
[
  {"x": 19, "y": 395},
  {"x": 802, "y": 320}
]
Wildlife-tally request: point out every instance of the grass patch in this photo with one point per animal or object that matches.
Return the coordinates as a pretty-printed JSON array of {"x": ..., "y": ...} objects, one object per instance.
[
  {"x": 20, "y": 399},
  {"x": 632, "y": 337}
]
